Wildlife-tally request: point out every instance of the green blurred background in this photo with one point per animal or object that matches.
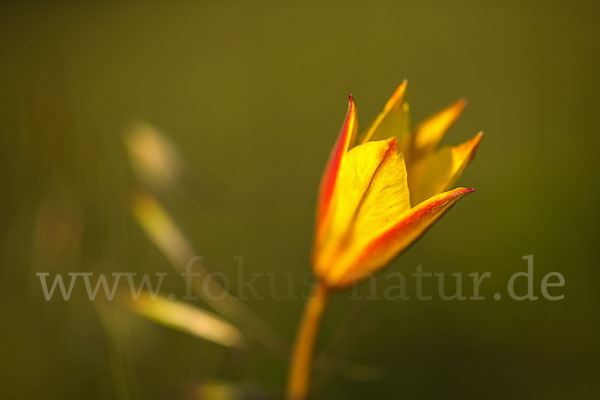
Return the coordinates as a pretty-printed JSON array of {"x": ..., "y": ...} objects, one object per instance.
[{"x": 253, "y": 94}]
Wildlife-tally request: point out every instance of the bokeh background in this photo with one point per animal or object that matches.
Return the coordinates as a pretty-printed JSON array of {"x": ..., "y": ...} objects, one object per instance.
[{"x": 251, "y": 95}]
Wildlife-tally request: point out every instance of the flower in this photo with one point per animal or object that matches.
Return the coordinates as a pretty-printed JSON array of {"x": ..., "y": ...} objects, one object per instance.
[{"x": 381, "y": 191}]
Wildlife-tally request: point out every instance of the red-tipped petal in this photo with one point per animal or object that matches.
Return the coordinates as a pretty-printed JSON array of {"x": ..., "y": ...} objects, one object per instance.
[
  {"x": 396, "y": 238},
  {"x": 329, "y": 179}
]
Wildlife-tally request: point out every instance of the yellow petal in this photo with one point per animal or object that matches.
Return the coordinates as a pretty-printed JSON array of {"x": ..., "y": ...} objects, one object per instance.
[
  {"x": 430, "y": 132},
  {"x": 395, "y": 238},
  {"x": 393, "y": 121},
  {"x": 372, "y": 192},
  {"x": 330, "y": 176},
  {"x": 437, "y": 171}
]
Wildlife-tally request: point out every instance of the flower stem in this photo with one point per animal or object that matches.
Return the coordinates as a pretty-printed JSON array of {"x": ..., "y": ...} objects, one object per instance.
[{"x": 300, "y": 365}]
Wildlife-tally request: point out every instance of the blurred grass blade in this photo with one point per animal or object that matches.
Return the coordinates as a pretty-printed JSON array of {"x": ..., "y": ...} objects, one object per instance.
[
  {"x": 161, "y": 229},
  {"x": 158, "y": 163},
  {"x": 168, "y": 238},
  {"x": 187, "y": 318},
  {"x": 214, "y": 391},
  {"x": 154, "y": 159},
  {"x": 227, "y": 390}
]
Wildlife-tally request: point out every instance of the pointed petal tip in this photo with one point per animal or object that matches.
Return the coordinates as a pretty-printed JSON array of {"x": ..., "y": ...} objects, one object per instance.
[
  {"x": 474, "y": 144},
  {"x": 458, "y": 107},
  {"x": 455, "y": 194},
  {"x": 431, "y": 131},
  {"x": 397, "y": 98},
  {"x": 392, "y": 144},
  {"x": 464, "y": 190},
  {"x": 351, "y": 104},
  {"x": 477, "y": 139},
  {"x": 460, "y": 192}
]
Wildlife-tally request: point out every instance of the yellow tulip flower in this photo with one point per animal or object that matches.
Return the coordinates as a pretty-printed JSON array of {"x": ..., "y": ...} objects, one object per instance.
[{"x": 379, "y": 193}]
